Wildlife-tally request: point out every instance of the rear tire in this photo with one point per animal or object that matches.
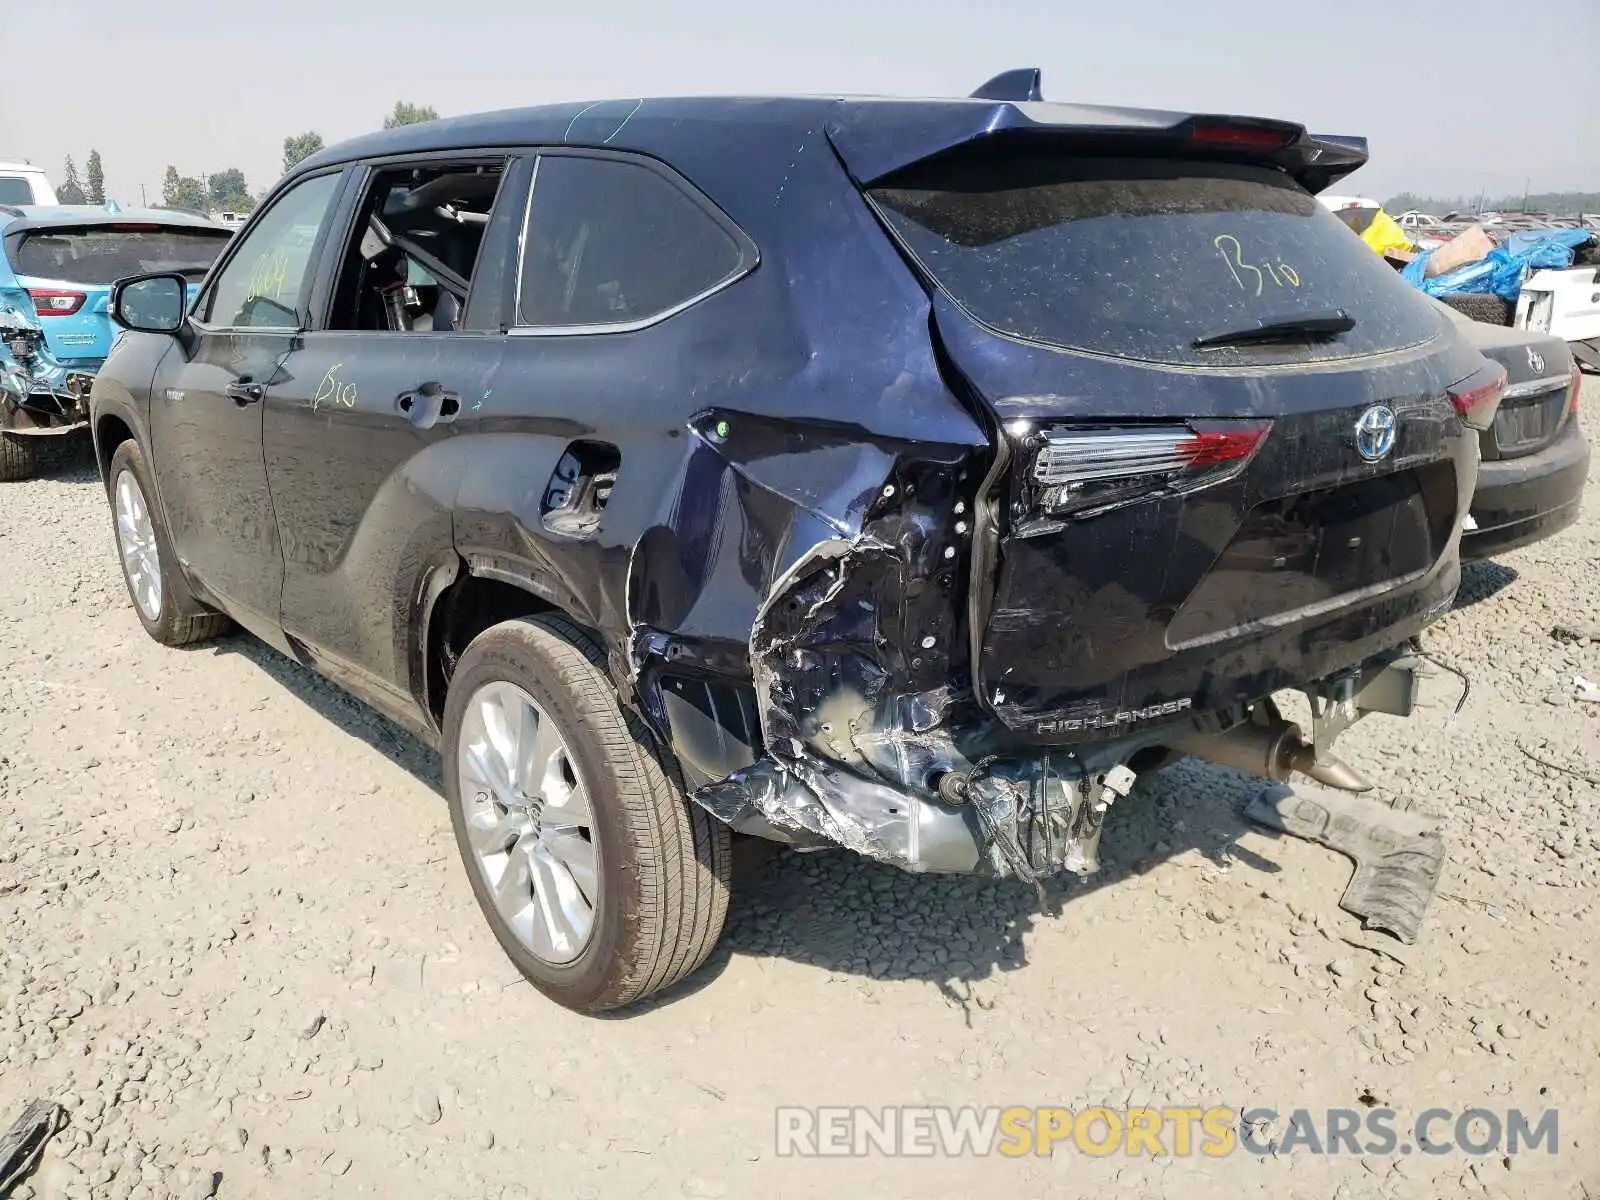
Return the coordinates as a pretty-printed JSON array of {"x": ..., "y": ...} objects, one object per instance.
[
  {"x": 657, "y": 864},
  {"x": 19, "y": 458},
  {"x": 1491, "y": 310},
  {"x": 162, "y": 601}
]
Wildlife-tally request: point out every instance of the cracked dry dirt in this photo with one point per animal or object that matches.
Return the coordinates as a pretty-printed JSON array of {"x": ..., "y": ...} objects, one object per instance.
[{"x": 237, "y": 944}]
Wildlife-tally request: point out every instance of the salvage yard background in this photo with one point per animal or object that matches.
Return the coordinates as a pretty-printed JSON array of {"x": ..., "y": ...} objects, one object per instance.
[{"x": 235, "y": 937}]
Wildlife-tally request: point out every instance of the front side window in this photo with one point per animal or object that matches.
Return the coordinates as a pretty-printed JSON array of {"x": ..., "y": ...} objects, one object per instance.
[
  {"x": 610, "y": 242},
  {"x": 261, "y": 285}
]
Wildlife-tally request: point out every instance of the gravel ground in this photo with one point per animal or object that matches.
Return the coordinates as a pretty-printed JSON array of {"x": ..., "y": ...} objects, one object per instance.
[{"x": 238, "y": 945}]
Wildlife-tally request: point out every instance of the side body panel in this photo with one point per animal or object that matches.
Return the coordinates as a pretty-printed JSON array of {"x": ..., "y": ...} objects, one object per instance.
[
  {"x": 363, "y": 493},
  {"x": 206, "y": 454}
]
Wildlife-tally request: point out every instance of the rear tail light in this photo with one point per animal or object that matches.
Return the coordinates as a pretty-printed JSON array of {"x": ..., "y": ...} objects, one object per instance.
[
  {"x": 1577, "y": 386},
  {"x": 1224, "y": 134},
  {"x": 50, "y": 303},
  {"x": 1080, "y": 471},
  {"x": 1476, "y": 397}
]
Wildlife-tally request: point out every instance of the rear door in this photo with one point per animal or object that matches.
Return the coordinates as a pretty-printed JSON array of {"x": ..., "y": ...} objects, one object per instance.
[
  {"x": 206, "y": 405},
  {"x": 406, "y": 340}
]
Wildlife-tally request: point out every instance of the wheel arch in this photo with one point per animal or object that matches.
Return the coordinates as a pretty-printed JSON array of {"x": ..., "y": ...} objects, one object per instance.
[
  {"x": 461, "y": 598},
  {"x": 111, "y": 428}
]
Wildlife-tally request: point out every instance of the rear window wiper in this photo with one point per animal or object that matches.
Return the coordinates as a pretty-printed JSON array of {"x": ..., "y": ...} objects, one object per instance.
[{"x": 1288, "y": 329}]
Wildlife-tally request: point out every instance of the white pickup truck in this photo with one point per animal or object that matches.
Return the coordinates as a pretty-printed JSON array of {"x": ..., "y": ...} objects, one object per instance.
[{"x": 23, "y": 183}]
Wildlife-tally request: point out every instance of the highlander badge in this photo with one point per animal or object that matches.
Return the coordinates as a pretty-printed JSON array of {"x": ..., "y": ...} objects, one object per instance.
[{"x": 1375, "y": 432}]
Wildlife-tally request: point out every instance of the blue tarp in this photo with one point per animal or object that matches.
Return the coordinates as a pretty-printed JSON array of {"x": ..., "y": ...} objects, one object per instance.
[{"x": 1507, "y": 265}]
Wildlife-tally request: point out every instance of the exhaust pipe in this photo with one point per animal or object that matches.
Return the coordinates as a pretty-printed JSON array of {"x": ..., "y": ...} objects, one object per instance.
[{"x": 1275, "y": 751}]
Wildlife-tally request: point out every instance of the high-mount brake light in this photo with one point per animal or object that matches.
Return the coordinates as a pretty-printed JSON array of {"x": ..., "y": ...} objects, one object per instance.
[{"x": 1243, "y": 137}]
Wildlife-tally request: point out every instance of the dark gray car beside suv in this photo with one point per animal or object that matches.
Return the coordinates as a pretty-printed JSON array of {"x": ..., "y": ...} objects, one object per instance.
[
  {"x": 902, "y": 476},
  {"x": 1535, "y": 456}
]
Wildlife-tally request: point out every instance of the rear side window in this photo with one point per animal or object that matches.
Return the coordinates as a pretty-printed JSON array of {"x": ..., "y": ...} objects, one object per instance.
[
  {"x": 1142, "y": 258},
  {"x": 611, "y": 242},
  {"x": 14, "y": 189},
  {"x": 102, "y": 254}
]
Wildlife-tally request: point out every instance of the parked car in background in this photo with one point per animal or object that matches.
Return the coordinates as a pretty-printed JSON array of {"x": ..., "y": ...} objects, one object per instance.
[
  {"x": 829, "y": 471},
  {"x": 57, "y": 265},
  {"x": 1535, "y": 456},
  {"x": 22, "y": 183},
  {"x": 1565, "y": 302}
]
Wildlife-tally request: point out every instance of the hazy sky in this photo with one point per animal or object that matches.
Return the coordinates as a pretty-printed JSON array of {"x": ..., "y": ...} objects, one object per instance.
[{"x": 205, "y": 86}]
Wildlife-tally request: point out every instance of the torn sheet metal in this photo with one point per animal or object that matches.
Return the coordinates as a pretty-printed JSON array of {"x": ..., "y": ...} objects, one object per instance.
[
  {"x": 870, "y": 734},
  {"x": 1398, "y": 855}
]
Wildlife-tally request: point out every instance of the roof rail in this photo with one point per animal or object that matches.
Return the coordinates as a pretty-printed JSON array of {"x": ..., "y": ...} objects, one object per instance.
[
  {"x": 1021, "y": 84},
  {"x": 11, "y": 210}
]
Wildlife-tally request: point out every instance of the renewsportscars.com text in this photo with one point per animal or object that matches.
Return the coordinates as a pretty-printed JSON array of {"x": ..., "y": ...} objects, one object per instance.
[{"x": 1214, "y": 1132}]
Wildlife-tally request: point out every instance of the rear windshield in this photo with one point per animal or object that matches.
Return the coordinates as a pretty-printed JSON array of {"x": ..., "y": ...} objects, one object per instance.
[
  {"x": 1141, "y": 258},
  {"x": 104, "y": 254}
]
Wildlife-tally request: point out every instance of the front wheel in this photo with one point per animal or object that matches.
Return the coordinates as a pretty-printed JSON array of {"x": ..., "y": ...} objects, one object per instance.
[
  {"x": 166, "y": 607},
  {"x": 601, "y": 882}
]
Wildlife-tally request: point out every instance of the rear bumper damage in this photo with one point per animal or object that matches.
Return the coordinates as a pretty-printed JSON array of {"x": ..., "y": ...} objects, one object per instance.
[
  {"x": 873, "y": 706},
  {"x": 939, "y": 806},
  {"x": 875, "y": 740},
  {"x": 39, "y": 394}
]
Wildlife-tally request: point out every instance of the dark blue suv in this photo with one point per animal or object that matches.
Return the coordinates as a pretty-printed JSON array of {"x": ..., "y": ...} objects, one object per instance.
[{"x": 898, "y": 475}]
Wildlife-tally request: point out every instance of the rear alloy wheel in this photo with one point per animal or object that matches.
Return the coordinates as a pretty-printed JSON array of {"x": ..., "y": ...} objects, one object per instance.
[
  {"x": 19, "y": 458},
  {"x": 528, "y": 818},
  {"x": 600, "y": 880},
  {"x": 161, "y": 597}
]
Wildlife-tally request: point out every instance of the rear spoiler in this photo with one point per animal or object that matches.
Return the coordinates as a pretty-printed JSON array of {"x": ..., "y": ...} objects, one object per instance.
[
  {"x": 876, "y": 138},
  {"x": 1023, "y": 84}
]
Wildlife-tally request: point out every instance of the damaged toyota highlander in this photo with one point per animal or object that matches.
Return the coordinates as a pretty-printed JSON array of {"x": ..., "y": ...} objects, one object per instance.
[{"x": 902, "y": 476}]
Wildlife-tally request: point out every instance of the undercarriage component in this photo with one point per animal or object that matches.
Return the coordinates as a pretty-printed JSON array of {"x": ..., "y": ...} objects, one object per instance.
[
  {"x": 1398, "y": 855},
  {"x": 1272, "y": 747},
  {"x": 1022, "y": 817},
  {"x": 1268, "y": 745}
]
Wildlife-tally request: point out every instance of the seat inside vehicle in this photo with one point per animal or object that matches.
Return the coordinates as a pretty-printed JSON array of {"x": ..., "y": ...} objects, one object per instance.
[{"x": 409, "y": 269}]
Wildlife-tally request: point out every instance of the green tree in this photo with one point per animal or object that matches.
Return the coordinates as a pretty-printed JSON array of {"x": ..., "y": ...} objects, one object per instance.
[
  {"x": 225, "y": 186},
  {"x": 95, "y": 179},
  {"x": 299, "y": 148},
  {"x": 409, "y": 114},
  {"x": 71, "y": 189},
  {"x": 178, "y": 191}
]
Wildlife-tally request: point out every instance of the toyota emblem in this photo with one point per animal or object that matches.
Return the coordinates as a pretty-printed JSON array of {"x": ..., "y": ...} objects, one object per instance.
[
  {"x": 1375, "y": 432},
  {"x": 1535, "y": 361}
]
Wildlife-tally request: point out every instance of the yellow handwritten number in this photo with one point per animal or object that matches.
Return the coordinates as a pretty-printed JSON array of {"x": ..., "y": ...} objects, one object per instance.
[
  {"x": 1280, "y": 273},
  {"x": 1237, "y": 263}
]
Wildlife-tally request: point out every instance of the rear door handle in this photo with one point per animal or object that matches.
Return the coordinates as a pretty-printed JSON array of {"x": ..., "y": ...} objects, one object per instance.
[
  {"x": 242, "y": 393},
  {"x": 429, "y": 404}
]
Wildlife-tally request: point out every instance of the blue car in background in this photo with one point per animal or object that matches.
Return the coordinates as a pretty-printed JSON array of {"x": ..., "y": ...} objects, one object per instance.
[{"x": 57, "y": 265}]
